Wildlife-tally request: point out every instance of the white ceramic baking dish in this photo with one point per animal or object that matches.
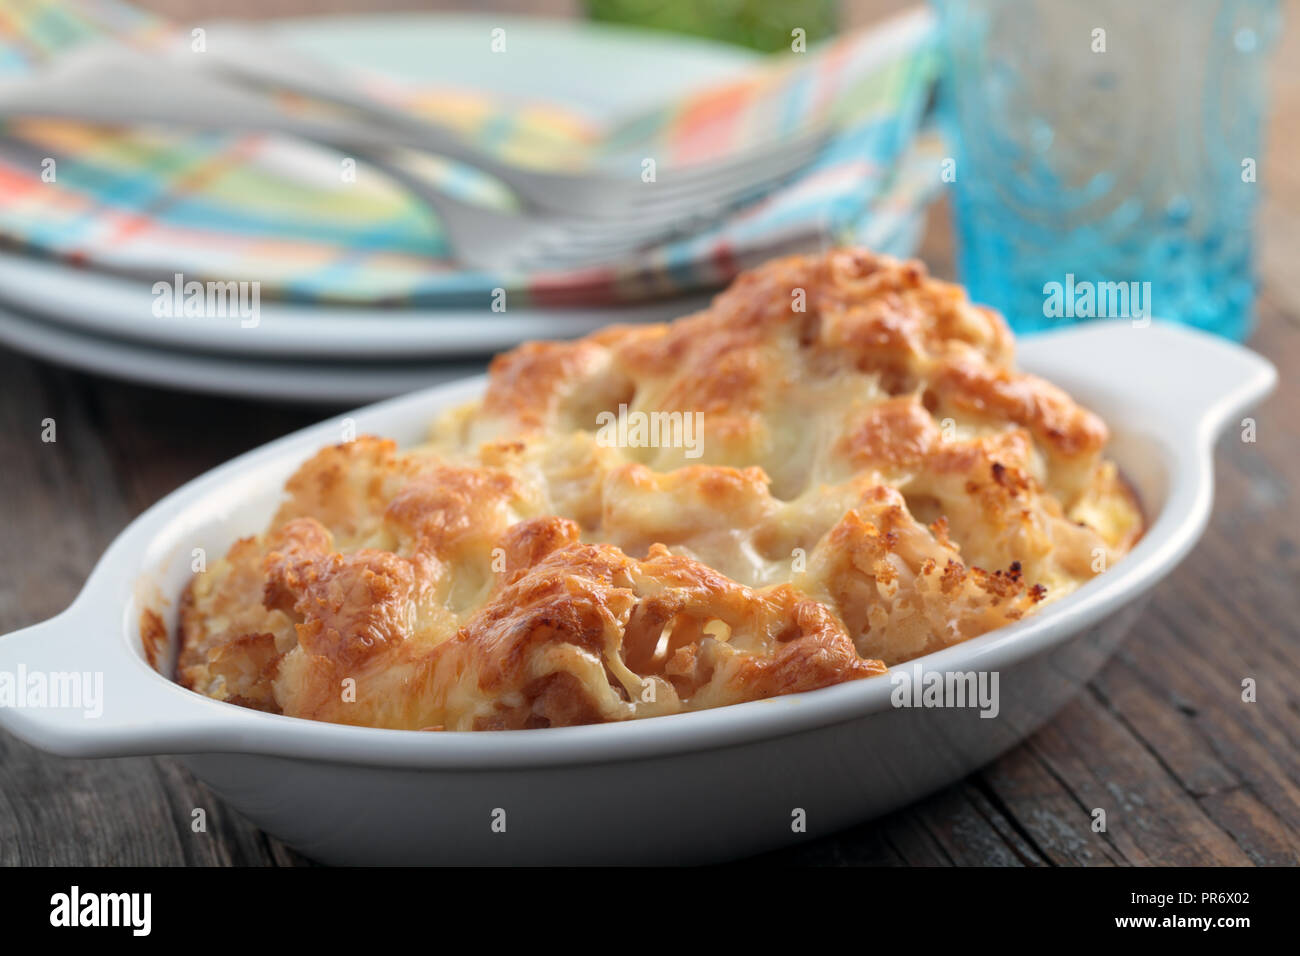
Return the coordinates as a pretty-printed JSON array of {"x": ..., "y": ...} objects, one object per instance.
[{"x": 704, "y": 786}]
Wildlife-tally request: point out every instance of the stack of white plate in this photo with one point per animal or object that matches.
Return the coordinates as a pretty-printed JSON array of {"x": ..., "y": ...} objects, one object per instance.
[{"x": 106, "y": 324}]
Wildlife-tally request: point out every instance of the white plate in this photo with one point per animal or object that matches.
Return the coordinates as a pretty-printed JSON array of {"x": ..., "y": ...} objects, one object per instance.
[
  {"x": 332, "y": 383},
  {"x": 708, "y": 785},
  {"x": 79, "y": 301},
  {"x": 602, "y": 69}
]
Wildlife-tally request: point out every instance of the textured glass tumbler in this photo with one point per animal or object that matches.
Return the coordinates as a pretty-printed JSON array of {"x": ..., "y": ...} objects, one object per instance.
[{"x": 1105, "y": 156}]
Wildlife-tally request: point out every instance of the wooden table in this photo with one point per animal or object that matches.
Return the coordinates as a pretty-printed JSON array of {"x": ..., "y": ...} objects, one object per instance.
[{"x": 1188, "y": 773}]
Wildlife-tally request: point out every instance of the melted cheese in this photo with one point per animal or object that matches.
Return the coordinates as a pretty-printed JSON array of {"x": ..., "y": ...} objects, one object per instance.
[{"x": 872, "y": 481}]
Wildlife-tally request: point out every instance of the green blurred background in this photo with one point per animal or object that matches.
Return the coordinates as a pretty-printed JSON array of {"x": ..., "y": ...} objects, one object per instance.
[{"x": 766, "y": 25}]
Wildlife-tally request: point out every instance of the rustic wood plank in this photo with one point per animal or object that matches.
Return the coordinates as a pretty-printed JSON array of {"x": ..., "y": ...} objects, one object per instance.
[
  {"x": 158, "y": 440},
  {"x": 1038, "y": 800},
  {"x": 62, "y": 506},
  {"x": 1150, "y": 819},
  {"x": 959, "y": 826},
  {"x": 983, "y": 835},
  {"x": 906, "y": 833},
  {"x": 866, "y": 846},
  {"x": 1235, "y": 743}
]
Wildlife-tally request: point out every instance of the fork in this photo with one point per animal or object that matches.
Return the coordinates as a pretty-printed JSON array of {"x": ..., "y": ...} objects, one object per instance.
[
  {"x": 493, "y": 240},
  {"x": 596, "y": 193},
  {"x": 112, "y": 83}
]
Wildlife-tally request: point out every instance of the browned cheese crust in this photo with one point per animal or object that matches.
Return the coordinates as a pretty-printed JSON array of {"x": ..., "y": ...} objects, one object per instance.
[{"x": 872, "y": 481}]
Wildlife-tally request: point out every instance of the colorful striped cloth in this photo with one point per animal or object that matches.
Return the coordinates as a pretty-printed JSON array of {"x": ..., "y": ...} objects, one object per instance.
[{"x": 153, "y": 202}]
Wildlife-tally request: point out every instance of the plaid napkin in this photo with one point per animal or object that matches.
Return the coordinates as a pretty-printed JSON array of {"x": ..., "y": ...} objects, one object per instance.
[{"x": 152, "y": 202}]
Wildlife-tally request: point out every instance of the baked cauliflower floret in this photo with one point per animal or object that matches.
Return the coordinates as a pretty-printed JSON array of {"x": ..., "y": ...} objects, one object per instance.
[{"x": 870, "y": 480}]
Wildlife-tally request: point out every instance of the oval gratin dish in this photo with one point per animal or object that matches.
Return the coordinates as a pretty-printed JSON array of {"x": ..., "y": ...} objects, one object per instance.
[{"x": 694, "y": 787}]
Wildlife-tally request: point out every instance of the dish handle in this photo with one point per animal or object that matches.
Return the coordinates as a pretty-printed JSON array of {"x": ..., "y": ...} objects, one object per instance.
[
  {"x": 68, "y": 687},
  {"x": 1183, "y": 379}
]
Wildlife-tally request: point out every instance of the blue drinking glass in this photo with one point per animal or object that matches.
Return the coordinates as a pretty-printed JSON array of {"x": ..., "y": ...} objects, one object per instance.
[{"x": 1105, "y": 156}]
